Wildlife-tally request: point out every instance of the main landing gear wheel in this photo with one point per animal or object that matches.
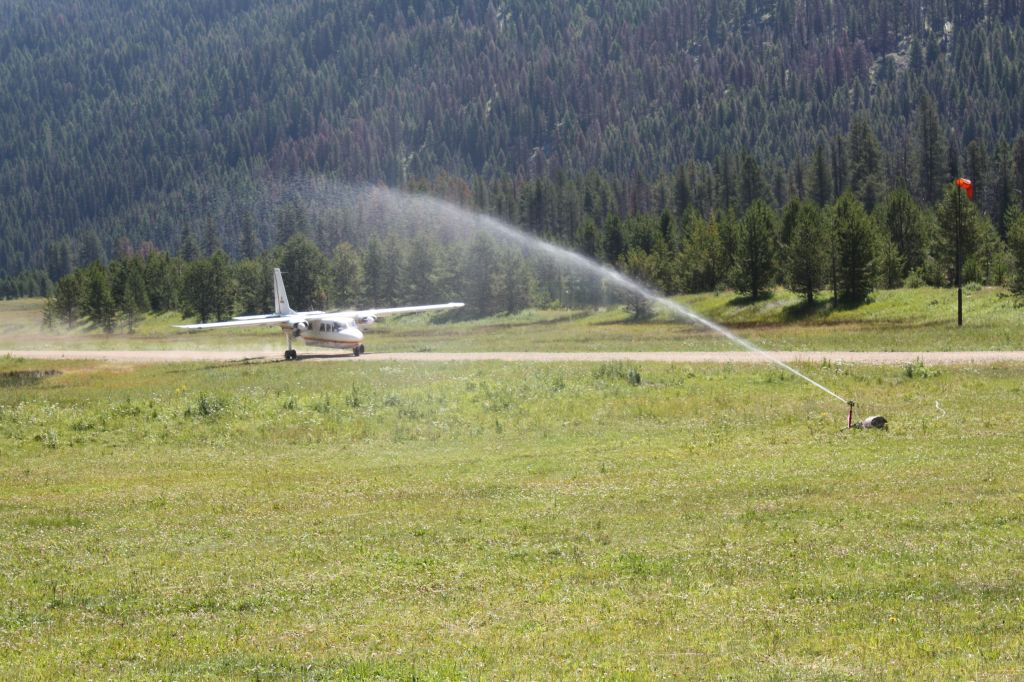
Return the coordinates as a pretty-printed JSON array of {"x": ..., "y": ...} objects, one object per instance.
[
  {"x": 358, "y": 350},
  {"x": 291, "y": 354}
]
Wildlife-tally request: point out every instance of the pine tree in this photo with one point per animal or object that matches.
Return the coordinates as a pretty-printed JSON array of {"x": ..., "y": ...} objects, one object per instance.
[
  {"x": 756, "y": 249},
  {"x": 479, "y": 266},
  {"x": 856, "y": 243},
  {"x": 132, "y": 300},
  {"x": 91, "y": 250},
  {"x": 1015, "y": 240},
  {"x": 346, "y": 277},
  {"x": 98, "y": 298},
  {"x": 588, "y": 239},
  {"x": 393, "y": 290},
  {"x": 513, "y": 285},
  {"x": 211, "y": 241},
  {"x": 643, "y": 268},
  {"x": 250, "y": 242},
  {"x": 958, "y": 227},
  {"x": 702, "y": 260},
  {"x": 822, "y": 185},
  {"x": 254, "y": 289},
  {"x": 891, "y": 264},
  {"x": 930, "y": 151},
  {"x": 614, "y": 240},
  {"x": 163, "y": 281},
  {"x": 291, "y": 220},
  {"x": 304, "y": 269},
  {"x": 806, "y": 254},
  {"x": 681, "y": 192},
  {"x": 67, "y": 296},
  {"x": 752, "y": 183},
  {"x": 905, "y": 225},
  {"x": 373, "y": 270},
  {"x": 189, "y": 249},
  {"x": 865, "y": 162}
]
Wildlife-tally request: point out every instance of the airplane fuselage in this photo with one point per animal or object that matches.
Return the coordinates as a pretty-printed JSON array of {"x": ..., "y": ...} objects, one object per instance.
[{"x": 332, "y": 334}]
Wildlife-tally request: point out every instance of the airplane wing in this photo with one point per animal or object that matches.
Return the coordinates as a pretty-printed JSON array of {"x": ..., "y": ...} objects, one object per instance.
[
  {"x": 295, "y": 318},
  {"x": 269, "y": 320},
  {"x": 380, "y": 312}
]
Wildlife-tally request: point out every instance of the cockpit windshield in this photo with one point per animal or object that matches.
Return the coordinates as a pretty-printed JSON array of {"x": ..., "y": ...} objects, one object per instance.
[{"x": 340, "y": 325}]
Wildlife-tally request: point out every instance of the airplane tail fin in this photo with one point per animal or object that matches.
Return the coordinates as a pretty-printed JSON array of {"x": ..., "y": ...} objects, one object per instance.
[{"x": 281, "y": 306}]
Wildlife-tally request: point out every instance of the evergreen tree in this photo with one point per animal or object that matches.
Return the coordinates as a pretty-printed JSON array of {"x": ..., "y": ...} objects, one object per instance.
[
  {"x": 373, "y": 270},
  {"x": 304, "y": 269},
  {"x": 196, "y": 298},
  {"x": 59, "y": 259},
  {"x": 642, "y": 267},
  {"x": 822, "y": 185},
  {"x": 978, "y": 170},
  {"x": 756, "y": 248},
  {"x": 189, "y": 249},
  {"x": 1015, "y": 240},
  {"x": 130, "y": 291},
  {"x": 98, "y": 298},
  {"x": 958, "y": 228},
  {"x": 805, "y": 263},
  {"x": 840, "y": 167},
  {"x": 752, "y": 183},
  {"x": 614, "y": 239},
  {"x": 930, "y": 151},
  {"x": 702, "y": 262},
  {"x": 513, "y": 285},
  {"x": 393, "y": 291},
  {"x": 865, "y": 162},
  {"x": 211, "y": 242},
  {"x": 681, "y": 192},
  {"x": 905, "y": 225},
  {"x": 856, "y": 248},
  {"x": 291, "y": 220},
  {"x": 67, "y": 296},
  {"x": 221, "y": 284},
  {"x": 478, "y": 271},
  {"x": 346, "y": 277},
  {"x": 254, "y": 288},
  {"x": 250, "y": 248},
  {"x": 91, "y": 250},
  {"x": 588, "y": 239},
  {"x": 163, "y": 281},
  {"x": 891, "y": 264}
]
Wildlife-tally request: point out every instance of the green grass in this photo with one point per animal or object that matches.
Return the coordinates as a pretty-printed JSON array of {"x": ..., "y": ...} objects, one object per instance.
[
  {"x": 485, "y": 520},
  {"x": 904, "y": 319}
]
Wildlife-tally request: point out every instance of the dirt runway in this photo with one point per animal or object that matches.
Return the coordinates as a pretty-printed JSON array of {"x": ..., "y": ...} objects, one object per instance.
[{"x": 859, "y": 357}]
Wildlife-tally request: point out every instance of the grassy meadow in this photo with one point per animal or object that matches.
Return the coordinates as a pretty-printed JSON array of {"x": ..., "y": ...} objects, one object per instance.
[
  {"x": 489, "y": 520},
  {"x": 903, "y": 319}
]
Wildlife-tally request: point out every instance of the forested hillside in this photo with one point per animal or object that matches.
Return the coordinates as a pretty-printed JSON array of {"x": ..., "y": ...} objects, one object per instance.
[{"x": 125, "y": 121}]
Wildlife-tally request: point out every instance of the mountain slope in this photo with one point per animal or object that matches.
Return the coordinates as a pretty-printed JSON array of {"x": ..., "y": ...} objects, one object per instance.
[{"x": 133, "y": 118}]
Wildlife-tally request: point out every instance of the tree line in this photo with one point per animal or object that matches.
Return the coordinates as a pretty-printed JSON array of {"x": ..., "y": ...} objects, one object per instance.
[
  {"x": 126, "y": 124},
  {"x": 841, "y": 248}
]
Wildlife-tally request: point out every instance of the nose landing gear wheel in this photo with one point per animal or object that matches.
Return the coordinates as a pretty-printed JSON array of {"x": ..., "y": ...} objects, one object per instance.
[{"x": 358, "y": 350}]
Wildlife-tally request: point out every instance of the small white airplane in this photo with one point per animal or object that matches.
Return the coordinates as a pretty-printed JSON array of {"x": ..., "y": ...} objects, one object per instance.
[{"x": 317, "y": 328}]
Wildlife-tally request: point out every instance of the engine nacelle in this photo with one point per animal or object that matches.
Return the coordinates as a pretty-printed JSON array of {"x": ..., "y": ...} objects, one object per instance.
[
  {"x": 367, "y": 319},
  {"x": 300, "y": 326}
]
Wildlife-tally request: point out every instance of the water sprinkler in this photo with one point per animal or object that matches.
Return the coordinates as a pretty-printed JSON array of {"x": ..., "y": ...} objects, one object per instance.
[{"x": 873, "y": 422}]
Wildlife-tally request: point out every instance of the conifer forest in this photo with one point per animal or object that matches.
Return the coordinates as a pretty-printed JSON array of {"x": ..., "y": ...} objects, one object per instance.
[{"x": 150, "y": 149}]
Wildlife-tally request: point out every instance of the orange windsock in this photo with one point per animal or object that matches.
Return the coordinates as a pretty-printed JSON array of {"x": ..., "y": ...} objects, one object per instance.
[{"x": 967, "y": 186}]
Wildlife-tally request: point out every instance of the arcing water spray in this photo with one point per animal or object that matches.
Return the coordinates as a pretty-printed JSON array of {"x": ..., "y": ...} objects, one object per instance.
[{"x": 394, "y": 206}]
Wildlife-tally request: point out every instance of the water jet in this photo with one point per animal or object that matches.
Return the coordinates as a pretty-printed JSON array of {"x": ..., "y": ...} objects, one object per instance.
[{"x": 409, "y": 212}]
